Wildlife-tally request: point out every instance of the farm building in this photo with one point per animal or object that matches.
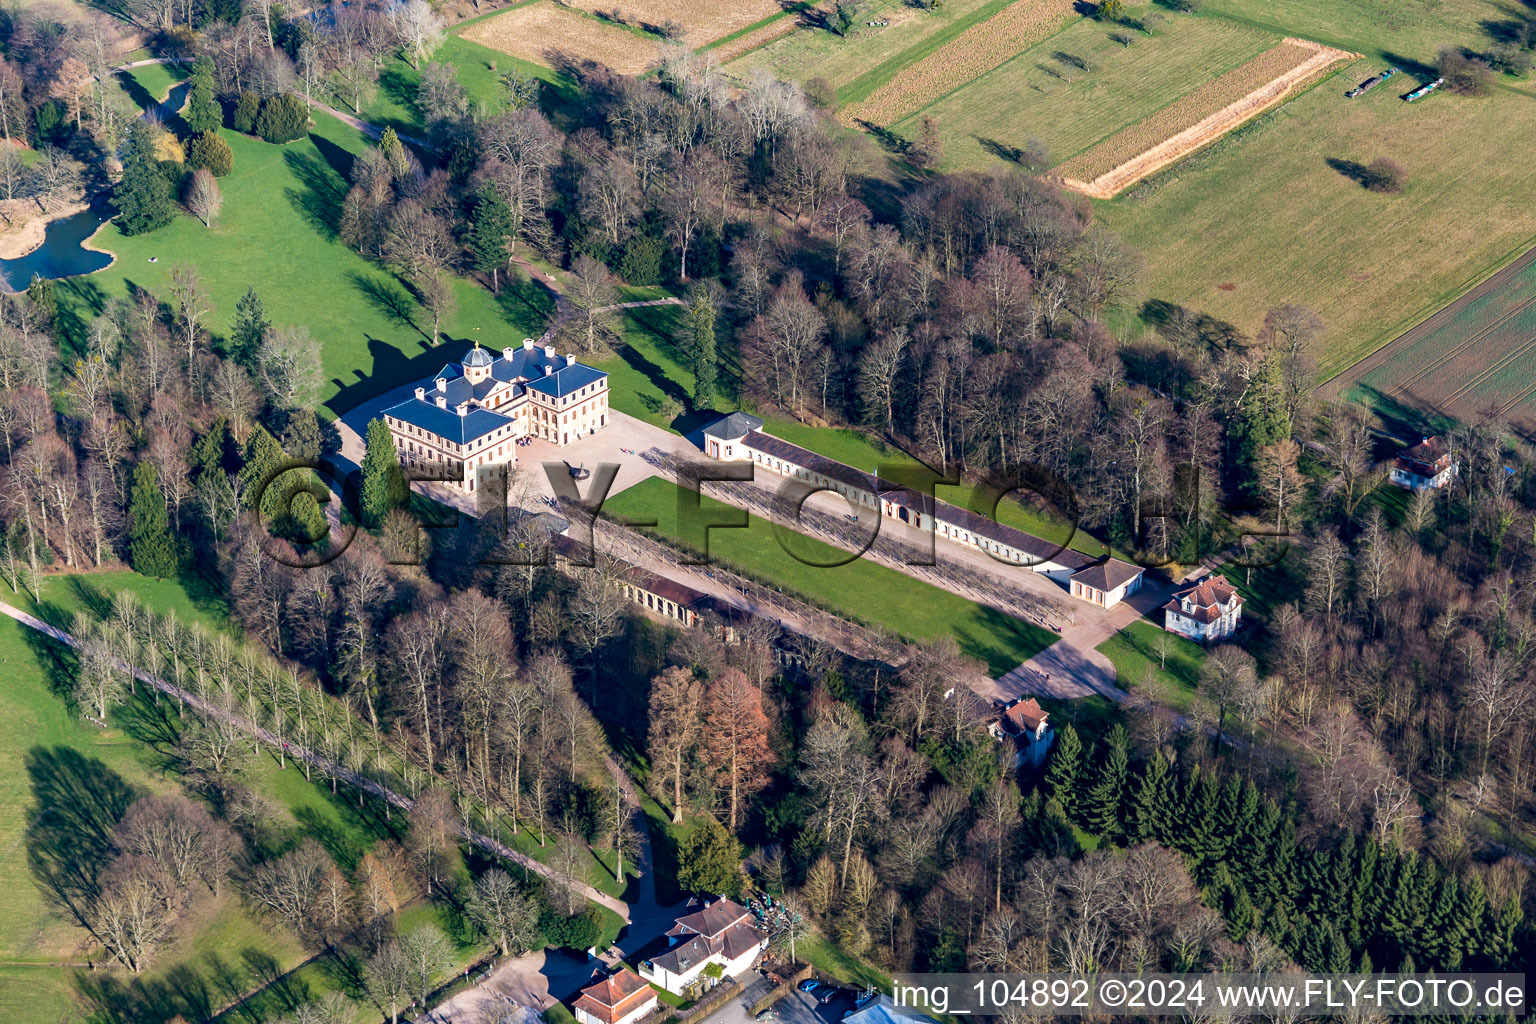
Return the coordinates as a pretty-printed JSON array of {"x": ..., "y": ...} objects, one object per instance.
[
  {"x": 1210, "y": 610},
  {"x": 1428, "y": 465}
]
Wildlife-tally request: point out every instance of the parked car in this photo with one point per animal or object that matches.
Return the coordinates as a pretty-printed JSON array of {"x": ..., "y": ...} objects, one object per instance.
[
  {"x": 824, "y": 993},
  {"x": 808, "y": 984}
]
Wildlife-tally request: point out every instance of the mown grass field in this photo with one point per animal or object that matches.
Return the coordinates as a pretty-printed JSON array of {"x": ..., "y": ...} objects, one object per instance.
[
  {"x": 1031, "y": 95},
  {"x": 1134, "y": 651},
  {"x": 1371, "y": 265},
  {"x": 277, "y": 234},
  {"x": 1408, "y": 29},
  {"x": 906, "y": 606}
]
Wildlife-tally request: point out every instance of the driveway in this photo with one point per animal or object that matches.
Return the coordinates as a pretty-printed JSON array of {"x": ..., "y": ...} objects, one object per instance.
[{"x": 796, "y": 1008}]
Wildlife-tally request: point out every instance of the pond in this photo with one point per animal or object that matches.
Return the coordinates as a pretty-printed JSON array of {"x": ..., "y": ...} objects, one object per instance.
[{"x": 63, "y": 253}]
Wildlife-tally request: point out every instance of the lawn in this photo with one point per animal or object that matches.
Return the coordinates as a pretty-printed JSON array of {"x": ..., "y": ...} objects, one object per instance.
[
  {"x": 1031, "y": 96},
  {"x": 907, "y": 607},
  {"x": 1134, "y": 651},
  {"x": 277, "y": 234},
  {"x": 192, "y": 600},
  {"x": 479, "y": 70},
  {"x": 1370, "y": 264}
]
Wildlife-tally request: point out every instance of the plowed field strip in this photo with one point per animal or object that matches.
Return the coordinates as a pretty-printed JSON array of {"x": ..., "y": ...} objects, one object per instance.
[
  {"x": 1474, "y": 339},
  {"x": 974, "y": 52}
]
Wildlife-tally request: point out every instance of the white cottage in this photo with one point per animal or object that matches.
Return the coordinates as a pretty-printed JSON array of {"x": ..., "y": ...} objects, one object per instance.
[
  {"x": 723, "y": 933},
  {"x": 1208, "y": 611}
]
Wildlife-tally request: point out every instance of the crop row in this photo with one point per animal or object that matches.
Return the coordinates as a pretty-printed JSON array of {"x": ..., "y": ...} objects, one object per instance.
[{"x": 974, "y": 52}]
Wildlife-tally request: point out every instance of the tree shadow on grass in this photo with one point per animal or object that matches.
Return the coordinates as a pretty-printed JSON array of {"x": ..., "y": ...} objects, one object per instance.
[
  {"x": 77, "y": 801},
  {"x": 400, "y": 87},
  {"x": 58, "y": 660},
  {"x": 522, "y": 299},
  {"x": 390, "y": 298},
  {"x": 344, "y": 850},
  {"x": 152, "y": 720},
  {"x": 320, "y": 199}
]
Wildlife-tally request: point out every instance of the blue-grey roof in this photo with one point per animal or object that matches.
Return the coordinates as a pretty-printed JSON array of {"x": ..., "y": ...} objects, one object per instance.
[
  {"x": 736, "y": 425},
  {"x": 447, "y": 423},
  {"x": 566, "y": 380},
  {"x": 478, "y": 356}
]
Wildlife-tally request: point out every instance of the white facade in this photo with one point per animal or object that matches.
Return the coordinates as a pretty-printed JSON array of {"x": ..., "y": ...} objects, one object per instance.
[{"x": 1207, "y": 612}]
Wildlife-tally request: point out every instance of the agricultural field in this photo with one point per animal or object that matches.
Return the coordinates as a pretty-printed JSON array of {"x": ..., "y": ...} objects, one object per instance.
[
  {"x": 1372, "y": 265},
  {"x": 1405, "y": 31},
  {"x": 701, "y": 23},
  {"x": 1046, "y": 94},
  {"x": 871, "y": 54},
  {"x": 1197, "y": 119},
  {"x": 549, "y": 34},
  {"x": 975, "y": 51},
  {"x": 1471, "y": 360}
]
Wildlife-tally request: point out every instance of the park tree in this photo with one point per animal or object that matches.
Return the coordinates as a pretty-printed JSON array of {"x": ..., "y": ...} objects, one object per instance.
[
  {"x": 282, "y": 118},
  {"x": 1102, "y": 804},
  {"x": 592, "y": 291},
  {"x": 289, "y": 365},
  {"x": 677, "y": 704},
  {"x": 249, "y": 328},
  {"x": 384, "y": 486},
  {"x": 736, "y": 742},
  {"x": 387, "y": 973},
  {"x": 151, "y": 545},
  {"x": 209, "y": 150},
  {"x": 202, "y": 112},
  {"x": 428, "y": 954},
  {"x": 202, "y": 197},
  {"x": 1063, "y": 773},
  {"x": 247, "y": 107},
  {"x": 491, "y": 233},
  {"x": 143, "y": 196},
  {"x": 709, "y": 860},
  {"x": 1229, "y": 679},
  {"x": 702, "y": 349},
  {"x": 504, "y": 912}
]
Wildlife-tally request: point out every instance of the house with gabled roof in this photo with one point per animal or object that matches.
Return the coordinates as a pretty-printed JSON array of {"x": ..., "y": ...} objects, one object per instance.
[
  {"x": 473, "y": 414},
  {"x": 1210, "y": 610},
  {"x": 1025, "y": 724},
  {"x": 721, "y": 933},
  {"x": 1106, "y": 583},
  {"x": 620, "y": 998},
  {"x": 1428, "y": 465}
]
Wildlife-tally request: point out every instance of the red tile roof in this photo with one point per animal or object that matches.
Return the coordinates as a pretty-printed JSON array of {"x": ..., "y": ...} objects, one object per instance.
[
  {"x": 1209, "y": 596},
  {"x": 616, "y": 996},
  {"x": 1026, "y": 715}
]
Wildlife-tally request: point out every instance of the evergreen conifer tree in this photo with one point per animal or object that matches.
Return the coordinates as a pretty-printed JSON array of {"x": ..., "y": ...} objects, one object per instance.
[
  {"x": 384, "y": 487},
  {"x": 1103, "y": 802},
  {"x": 151, "y": 546},
  {"x": 207, "y": 455},
  {"x": 1152, "y": 805},
  {"x": 202, "y": 112},
  {"x": 702, "y": 351},
  {"x": 1259, "y": 423},
  {"x": 250, "y": 327},
  {"x": 491, "y": 228},
  {"x": 143, "y": 196},
  {"x": 1064, "y": 770}
]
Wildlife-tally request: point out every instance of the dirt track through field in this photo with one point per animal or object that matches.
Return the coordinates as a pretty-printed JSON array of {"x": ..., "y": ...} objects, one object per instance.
[{"x": 1210, "y": 128}]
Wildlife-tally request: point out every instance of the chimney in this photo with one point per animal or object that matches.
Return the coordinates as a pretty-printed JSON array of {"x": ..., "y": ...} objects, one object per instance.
[
  {"x": 442, "y": 383},
  {"x": 506, "y": 354},
  {"x": 462, "y": 408},
  {"x": 421, "y": 394},
  {"x": 570, "y": 359},
  {"x": 549, "y": 351},
  {"x": 527, "y": 344},
  {"x": 442, "y": 403}
]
